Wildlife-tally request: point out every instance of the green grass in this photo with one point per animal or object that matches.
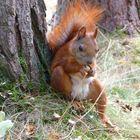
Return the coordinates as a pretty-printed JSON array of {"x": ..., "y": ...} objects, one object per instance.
[{"x": 118, "y": 68}]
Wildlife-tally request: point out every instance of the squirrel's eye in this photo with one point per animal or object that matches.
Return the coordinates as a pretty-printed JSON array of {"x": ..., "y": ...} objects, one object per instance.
[{"x": 81, "y": 48}]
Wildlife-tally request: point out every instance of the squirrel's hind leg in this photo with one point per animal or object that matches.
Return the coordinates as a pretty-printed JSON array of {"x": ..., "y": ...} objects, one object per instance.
[
  {"x": 60, "y": 81},
  {"x": 99, "y": 97}
]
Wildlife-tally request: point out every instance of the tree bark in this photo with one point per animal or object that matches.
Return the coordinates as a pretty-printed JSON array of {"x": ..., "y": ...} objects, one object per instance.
[
  {"x": 121, "y": 13},
  {"x": 118, "y": 14},
  {"x": 138, "y": 7},
  {"x": 23, "y": 49}
]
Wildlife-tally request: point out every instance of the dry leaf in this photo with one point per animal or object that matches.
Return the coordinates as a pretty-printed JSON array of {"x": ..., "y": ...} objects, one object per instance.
[
  {"x": 8, "y": 136},
  {"x": 53, "y": 135},
  {"x": 30, "y": 129},
  {"x": 71, "y": 122},
  {"x": 78, "y": 106},
  {"x": 56, "y": 117},
  {"x": 135, "y": 136},
  {"x": 125, "y": 107},
  {"x": 125, "y": 42}
]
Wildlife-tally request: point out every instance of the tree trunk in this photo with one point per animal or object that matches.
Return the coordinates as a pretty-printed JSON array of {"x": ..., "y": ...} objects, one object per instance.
[
  {"x": 138, "y": 7},
  {"x": 118, "y": 14},
  {"x": 23, "y": 50},
  {"x": 121, "y": 13}
]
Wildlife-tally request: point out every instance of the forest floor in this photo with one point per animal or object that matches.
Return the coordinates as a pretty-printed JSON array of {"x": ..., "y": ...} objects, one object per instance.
[{"x": 48, "y": 116}]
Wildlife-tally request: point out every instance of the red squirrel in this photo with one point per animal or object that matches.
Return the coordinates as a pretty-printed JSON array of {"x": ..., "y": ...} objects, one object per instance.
[{"x": 73, "y": 41}]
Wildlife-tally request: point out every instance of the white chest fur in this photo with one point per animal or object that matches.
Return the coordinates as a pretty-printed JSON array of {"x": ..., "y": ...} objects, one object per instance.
[{"x": 80, "y": 86}]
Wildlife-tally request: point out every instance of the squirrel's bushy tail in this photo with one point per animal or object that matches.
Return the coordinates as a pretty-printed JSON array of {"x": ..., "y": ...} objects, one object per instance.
[{"x": 78, "y": 13}]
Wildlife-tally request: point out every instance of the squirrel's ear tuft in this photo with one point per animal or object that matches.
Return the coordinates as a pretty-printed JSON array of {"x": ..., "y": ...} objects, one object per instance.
[
  {"x": 95, "y": 33},
  {"x": 82, "y": 32}
]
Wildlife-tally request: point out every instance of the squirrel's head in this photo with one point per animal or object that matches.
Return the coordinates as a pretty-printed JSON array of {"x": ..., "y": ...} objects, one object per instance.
[{"x": 84, "y": 47}]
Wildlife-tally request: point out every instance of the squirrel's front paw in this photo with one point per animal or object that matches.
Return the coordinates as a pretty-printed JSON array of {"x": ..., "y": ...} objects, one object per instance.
[
  {"x": 84, "y": 71},
  {"x": 87, "y": 71}
]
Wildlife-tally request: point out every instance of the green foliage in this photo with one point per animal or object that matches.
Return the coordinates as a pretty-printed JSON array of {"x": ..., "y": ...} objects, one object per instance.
[
  {"x": 4, "y": 124},
  {"x": 23, "y": 63},
  {"x": 136, "y": 51},
  {"x": 119, "y": 70},
  {"x": 121, "y": 92}
]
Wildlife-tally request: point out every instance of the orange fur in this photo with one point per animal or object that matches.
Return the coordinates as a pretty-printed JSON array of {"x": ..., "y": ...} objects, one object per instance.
[
  {"x": 77, "y": 14},
  {"x": 73, "y": 65}
]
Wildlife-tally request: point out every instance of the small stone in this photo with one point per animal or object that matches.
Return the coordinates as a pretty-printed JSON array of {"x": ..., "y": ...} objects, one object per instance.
[
  {"x": 71, "y": 122},
  {"x": 56, "y": 117}
]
